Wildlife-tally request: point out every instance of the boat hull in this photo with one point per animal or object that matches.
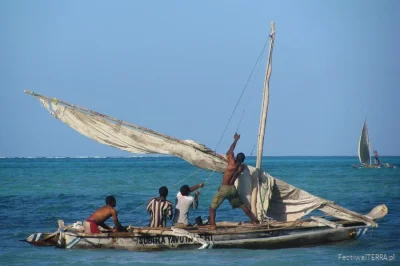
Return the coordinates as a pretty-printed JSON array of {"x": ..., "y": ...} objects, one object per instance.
[
  {"x": 374, "y": 166},
  {"x": 269, "y": 239}
]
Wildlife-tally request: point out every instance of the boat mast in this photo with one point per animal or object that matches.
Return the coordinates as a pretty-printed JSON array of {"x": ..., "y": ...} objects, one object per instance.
[
  {"x": 264, "y": 108},
  {"x": 359, "y": 144}
]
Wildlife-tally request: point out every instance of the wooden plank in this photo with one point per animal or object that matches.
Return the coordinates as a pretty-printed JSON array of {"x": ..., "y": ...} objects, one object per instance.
[
  {"x": 351, "y": 214},
  {"x": 326, "y": 222}
]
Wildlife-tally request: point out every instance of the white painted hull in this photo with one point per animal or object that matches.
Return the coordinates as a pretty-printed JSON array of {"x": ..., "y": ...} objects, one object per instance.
[{"x": 250, "y": 240}]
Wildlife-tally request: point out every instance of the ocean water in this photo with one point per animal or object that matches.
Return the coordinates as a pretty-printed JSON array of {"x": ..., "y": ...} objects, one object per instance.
[{"x": 36, "y": 192}]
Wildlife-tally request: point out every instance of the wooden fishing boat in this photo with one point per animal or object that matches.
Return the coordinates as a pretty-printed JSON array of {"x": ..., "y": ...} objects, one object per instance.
[
  {"x": 268, "y": 235},
  {"x": 278, "y": 205}
]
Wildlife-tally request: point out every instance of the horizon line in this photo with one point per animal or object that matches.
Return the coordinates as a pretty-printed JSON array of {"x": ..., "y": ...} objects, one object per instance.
[{"x": 169, "y": 156}]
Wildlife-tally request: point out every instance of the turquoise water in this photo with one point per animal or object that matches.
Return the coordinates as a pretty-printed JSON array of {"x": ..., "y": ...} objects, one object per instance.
[{"x": 36, "y": 192}]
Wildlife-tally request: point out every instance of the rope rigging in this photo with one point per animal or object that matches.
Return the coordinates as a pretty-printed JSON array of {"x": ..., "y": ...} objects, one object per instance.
[
  {"x": 241, "y": 95},
  {"x": 229, "y": 120}
]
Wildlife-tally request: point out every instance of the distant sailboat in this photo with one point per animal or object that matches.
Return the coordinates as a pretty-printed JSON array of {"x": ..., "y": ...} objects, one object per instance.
[{"x": 364, "y": 148}]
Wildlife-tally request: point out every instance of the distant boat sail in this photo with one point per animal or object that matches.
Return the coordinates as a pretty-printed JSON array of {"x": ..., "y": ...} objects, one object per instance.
[
  {"x": 364, "y": 146},
  {"x": 364, "y": 149}
]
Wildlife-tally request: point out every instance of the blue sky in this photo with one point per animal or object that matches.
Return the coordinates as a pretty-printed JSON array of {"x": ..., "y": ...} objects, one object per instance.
[{"x": 178, "y": 67}]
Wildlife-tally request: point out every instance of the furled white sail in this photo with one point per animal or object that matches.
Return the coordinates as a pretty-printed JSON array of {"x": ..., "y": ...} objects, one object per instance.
[
  {"x": 364, "y": 146},
  {"x": 284, "y": 202},
  {"x": 276, "y": 198},
  {"x": 279, "y": 200}
]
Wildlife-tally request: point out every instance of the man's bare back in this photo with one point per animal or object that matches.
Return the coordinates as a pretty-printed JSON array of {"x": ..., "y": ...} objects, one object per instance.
[{"x": 103, "y": 213}]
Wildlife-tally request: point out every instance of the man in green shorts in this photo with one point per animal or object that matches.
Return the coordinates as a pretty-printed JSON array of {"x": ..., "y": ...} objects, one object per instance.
[{"x": 228, "y": 189}]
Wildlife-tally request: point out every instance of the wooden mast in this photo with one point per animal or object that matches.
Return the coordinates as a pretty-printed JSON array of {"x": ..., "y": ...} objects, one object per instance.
[
  {"x": 264, "y": 108},
  {"x": 263, "y": 119}
]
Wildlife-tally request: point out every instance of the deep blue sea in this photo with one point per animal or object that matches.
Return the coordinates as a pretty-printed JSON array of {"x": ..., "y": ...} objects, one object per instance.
[{"x": 36, "y": 192}]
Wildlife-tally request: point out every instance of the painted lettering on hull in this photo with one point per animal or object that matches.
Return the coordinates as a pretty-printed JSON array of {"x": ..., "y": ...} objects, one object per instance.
[
  {"x": 160, "y": 240},
  {"x": 151, "y": 240}
]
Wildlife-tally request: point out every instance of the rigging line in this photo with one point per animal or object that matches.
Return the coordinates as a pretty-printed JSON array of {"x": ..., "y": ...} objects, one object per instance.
[
  {"x": 248, "y": 96},
  {"x": 240, "y": 121},
  {"x": 209, "y": 176},
  {"x": 253, "y": 149},
  {"x": 185, "y": 178},
  {"x": 170, "y": 187},
  {"x": 244, "y": 89}
]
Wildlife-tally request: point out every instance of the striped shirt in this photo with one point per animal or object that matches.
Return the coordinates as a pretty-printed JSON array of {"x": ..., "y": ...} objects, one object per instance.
[{"x": 159, "y": 211}]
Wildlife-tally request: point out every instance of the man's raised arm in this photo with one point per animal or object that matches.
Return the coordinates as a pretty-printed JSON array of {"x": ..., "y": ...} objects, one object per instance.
[
  {"x": 229, "y": 153},
  {"x": 193, "y": 188}
]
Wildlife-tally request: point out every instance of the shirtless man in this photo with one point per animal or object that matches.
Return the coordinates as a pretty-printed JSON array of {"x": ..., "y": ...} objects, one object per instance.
[
  {"x": 101, "y": 215},
  {"x": 228, "y": 190}
]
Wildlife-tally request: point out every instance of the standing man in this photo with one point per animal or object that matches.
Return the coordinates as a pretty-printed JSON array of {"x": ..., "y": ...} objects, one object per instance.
[
  {"x": 184, "y": 202},
  {"x": 101, "y": 215},
  {"x": 376, "y": 156},
  {"x": 228, "y": 190},
  {"x": 160, "y": 209}
]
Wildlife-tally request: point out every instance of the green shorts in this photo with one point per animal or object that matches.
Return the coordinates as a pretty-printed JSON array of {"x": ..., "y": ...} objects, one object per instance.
[{"x": 226, "y": 192}]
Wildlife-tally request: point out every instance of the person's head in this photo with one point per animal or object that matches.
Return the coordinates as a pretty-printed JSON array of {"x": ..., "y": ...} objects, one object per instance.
[
  {"x": 110, "y": 200},
  {"x": 163, "y": 191},
  {"x": 185, "y": 190},
  {"x": 240, "y": 158}
]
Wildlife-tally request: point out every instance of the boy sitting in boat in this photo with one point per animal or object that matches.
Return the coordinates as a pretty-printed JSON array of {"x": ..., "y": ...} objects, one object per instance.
[
  {"x": 184, "y": 202},
  {"x": 228, "y": 190},
  {"x": 160, "y": 209},
  {"x": 101, "y": 215}
]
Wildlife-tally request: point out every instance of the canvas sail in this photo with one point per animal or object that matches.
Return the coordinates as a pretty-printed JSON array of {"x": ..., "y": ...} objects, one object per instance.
[
  {"x": 284, "y": 202},
  {"x": 128, "y": 137},
  {"x": 363, "y": 146},
  {"x": 279, "y": 200}
]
